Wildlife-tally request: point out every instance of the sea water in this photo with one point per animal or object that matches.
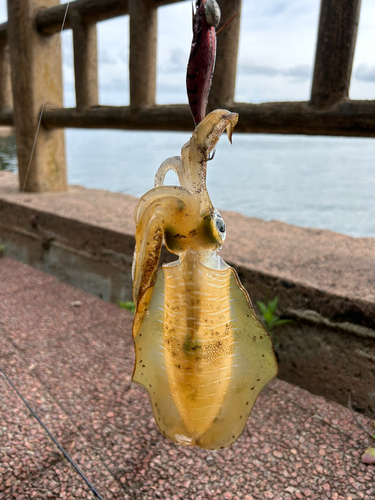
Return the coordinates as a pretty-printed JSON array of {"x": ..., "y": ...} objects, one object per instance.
[{"x": 319, "y": 182}]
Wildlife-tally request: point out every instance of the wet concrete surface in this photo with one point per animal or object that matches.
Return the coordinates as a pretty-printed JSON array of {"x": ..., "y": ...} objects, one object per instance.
[{"x": 71, "y": 355}]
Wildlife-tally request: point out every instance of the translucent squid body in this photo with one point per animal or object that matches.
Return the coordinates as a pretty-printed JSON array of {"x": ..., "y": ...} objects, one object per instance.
[{"x": 201, "y": 353}]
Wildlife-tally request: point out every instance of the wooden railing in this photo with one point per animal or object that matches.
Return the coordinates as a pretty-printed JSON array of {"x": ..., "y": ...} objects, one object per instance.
[{"x": 31, "y": 33}]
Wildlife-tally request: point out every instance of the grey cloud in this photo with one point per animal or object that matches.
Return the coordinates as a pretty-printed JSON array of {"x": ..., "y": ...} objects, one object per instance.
[
  {"x": 123, "y": 56},
  {"x": 365, "y": 73},
  {"x": 177, "y": 62},
  {"x": 297, "y": 74},
  {"x": 117, "y": 84},
  {"x": 68, "y": 62},
  {"x": 170, "y": 88},
  {"x": 177, "y": 57},
  {"x": 275, "y": 9},
  {"x": 256, "y": 69},
  {"x": 67, "y": 54},
  {"x": 107, "y": 58},
  {"x": 259, "y": 15}
]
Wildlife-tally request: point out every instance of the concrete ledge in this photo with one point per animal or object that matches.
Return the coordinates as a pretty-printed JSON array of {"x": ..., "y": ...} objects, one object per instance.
[{"x": 325, "y": 281}]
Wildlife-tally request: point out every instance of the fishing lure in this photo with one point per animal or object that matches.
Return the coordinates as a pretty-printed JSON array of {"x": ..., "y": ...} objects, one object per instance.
[
  {"x": 201, "y": 353},
  {"x": 202, "y": 56}
]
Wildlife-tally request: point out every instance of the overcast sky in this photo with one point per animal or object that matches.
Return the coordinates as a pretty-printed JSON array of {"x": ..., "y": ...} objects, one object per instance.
[{"x": 276, "y": 53}]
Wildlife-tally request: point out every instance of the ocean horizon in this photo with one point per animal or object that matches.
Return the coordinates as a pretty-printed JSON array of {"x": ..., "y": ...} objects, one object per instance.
[{"x": 308, "y": 181}]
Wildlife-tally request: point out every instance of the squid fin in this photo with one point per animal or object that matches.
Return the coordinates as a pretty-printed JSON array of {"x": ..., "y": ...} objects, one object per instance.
[{"x": 238, "y": 362}]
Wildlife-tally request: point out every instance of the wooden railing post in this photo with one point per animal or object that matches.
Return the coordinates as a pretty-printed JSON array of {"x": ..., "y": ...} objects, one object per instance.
[
  {"x": 224, "y": 80},
  {"x": 5, "y": 85},
  {"x": 31, "y": 58},
  {"x": 85, "y": 45},
  {"x": 142, "y": 60},
  {"x": 337, "y": 35}
]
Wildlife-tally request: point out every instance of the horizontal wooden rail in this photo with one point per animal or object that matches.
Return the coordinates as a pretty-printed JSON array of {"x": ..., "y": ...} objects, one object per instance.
[
  {"x": 348, "y": 118},
  {"x": 49, "y": 21}
]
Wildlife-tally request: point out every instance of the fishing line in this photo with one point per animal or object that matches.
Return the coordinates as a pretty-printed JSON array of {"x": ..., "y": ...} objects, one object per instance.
[
  {"x": 70, "y": 460},
  {"x": 65, "y": 454},
  {"x": 40, "y": 117},
  {"x": 226, "y": 24}
]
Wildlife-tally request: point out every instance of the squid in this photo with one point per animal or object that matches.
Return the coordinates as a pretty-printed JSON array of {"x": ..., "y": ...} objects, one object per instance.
[{"x": 201, "y": 352}]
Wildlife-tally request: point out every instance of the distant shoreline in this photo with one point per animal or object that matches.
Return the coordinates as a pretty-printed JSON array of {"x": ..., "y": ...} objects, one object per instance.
[{"x": 6, "y": 131}]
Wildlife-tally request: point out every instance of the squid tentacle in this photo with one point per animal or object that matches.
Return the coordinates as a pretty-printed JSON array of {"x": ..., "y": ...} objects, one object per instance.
[{"x": 173, "y": 163}]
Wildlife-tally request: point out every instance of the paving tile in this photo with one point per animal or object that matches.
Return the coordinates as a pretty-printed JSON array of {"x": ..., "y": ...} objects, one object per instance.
[
  {"x": 30, "y": 463},
  {"x": 77, "y": 367},
  {"x": 31, "y": 315},
  {"x": 15, "y": 276}
]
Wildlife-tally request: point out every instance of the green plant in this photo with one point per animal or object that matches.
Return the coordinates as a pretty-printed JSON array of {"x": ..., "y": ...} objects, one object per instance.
[
  {"x": 2, "y": 250},
  {"x": 268, "y": 316},
  {"x": 129, "y": 306},
  {"x": 271, "y": 321}
]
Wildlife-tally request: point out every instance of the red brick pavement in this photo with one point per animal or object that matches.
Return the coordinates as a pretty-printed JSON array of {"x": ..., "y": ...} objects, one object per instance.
[{"x": 73, "y": 363}]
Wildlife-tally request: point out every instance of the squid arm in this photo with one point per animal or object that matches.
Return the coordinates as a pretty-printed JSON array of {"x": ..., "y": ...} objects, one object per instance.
[{"x": 149, "y": 239}]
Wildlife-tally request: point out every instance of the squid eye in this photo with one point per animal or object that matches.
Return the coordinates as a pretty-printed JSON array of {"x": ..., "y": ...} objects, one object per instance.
[
  {"x": 212, "y": 13},
  {"x": 220, "y": 225}
]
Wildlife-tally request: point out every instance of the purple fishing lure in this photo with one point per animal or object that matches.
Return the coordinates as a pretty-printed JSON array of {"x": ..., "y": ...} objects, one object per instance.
[{"x": 206, "y": 19}]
